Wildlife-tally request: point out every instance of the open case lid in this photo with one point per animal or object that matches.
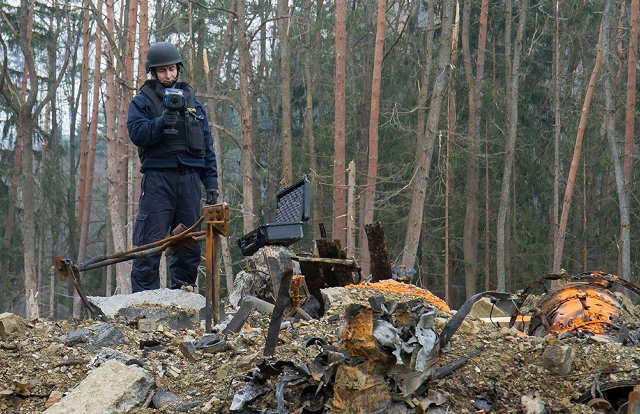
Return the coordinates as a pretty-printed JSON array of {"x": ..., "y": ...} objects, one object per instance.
[{"x": 293, "y": 203}]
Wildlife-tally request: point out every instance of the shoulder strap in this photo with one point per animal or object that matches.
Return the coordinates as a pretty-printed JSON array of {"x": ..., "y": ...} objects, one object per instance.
[{"x": 156, "y": 100}]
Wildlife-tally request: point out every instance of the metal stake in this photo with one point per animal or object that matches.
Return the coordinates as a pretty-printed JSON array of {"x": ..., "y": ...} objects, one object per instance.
[{"x": 216, "y": 218}]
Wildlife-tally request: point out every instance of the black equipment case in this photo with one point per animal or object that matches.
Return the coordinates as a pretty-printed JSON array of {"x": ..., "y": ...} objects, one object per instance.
[{"x": 293, "y": 204}]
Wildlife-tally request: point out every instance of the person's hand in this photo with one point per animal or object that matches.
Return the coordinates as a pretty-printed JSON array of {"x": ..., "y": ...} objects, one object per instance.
[
  {"x": 169, "y": 118},
  {"x": 212, "y": 197}
]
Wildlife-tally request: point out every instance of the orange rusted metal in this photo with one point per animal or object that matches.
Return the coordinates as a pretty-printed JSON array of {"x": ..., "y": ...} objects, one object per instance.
[
  {"x": 578, "y": 306},
  {"x": 393, "y": 286},
  {"x": 583, "y": 304},
  {"x": 216, "y": 217}
]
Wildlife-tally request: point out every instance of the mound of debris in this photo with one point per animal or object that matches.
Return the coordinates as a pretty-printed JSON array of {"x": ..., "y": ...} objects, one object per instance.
[{"x": 384, "y": 347}]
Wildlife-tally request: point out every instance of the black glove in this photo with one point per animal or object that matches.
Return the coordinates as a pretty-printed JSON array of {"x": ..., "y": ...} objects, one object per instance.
[
  {"x": 169, "y": 118},
  {"x": 212, "y": 197}
]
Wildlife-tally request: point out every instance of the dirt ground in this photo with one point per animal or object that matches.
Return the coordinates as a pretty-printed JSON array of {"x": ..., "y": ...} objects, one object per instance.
[{"x": 508, "y": 376}]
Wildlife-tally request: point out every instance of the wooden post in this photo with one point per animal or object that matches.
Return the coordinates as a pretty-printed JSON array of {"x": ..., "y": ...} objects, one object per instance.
[
  {"x": 216, "y": 218},
  {"x": 378, "y": 252}
]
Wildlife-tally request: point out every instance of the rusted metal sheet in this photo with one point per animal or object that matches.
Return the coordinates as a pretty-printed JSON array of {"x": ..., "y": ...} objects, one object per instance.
[
  {"x": 240, "y": 318},
  {"x": 578, "y": 306},
  {"x": 282, "y": 301},
  {"x": 582, "y": 304}
]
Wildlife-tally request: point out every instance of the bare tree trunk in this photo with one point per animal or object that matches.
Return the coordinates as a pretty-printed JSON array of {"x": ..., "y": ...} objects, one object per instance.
[
  {"x": 513, "y": 82},
  {"x": 246, "y": 157},
  {"x": 128, "y": 151},
  {"x": 470, "y": 236},
  {"x": 631, "y": 93},
  {"x": 424, "y": 150},
  {"x": 311, "y": 66},
  {"x": 84, "y": 130},
  {"x": 629, "y": 144},
  {"x": 423, "y": 85},
  {"x": 115, "y": 156},
  {"x": 211, "y": 114},
  {"x": 449, "y": 177},
  {"x": 8, "y": 224},
  {"x": 624, "y": 247},
  {"x": 108, "y": 242},
  {"x": 93, "y": 139},
  {"x": 351, "y": 212},
  {"x": 451, "y": 125},
  {"x": 372, "y": 172},
  {"x": 284, "y": 21},
  {"x": 556, "y": 114},
  {"x": 487, "y": 267},
  {"x": 575, "y": 161},
  {"x": 88, "y": 139},
  {"x": 143, "y": 41},
  {"x": 585, "y": 228},
  {"x": 339, "y": 170},
  {"x": 25, "y": 130}
]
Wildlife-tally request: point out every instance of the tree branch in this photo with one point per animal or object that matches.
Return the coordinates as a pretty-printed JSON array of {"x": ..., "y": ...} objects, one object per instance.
[{"x": 229, "y": 133}]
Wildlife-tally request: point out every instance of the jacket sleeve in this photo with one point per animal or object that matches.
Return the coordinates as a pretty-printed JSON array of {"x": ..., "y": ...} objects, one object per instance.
[
  {"x": 143, "y": 127},
  {"x": 209, "y": 174}
]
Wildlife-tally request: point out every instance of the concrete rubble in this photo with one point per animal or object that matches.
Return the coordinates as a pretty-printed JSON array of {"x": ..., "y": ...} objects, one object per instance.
[
  {"x": 112, "y": 387},
  {"x": 372, "y": 347}
]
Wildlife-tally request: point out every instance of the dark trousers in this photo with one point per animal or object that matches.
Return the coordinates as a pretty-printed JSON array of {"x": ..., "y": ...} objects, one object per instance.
[{"x": 168, "y": 197}]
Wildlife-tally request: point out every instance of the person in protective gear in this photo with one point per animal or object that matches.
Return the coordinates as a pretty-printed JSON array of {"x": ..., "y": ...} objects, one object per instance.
[{"x": 176, "y": 155}]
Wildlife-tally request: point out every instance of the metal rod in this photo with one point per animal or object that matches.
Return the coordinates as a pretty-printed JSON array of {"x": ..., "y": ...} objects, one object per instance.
[
  {"x": 167, "y": 240},
  {"x": 136, "y": 253}
]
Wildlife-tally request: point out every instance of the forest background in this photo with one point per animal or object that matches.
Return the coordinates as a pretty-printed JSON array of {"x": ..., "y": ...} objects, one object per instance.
[{"x": 494, "y": 141}]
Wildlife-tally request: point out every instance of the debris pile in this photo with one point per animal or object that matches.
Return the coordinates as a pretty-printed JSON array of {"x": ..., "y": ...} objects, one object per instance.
[{"x": 361, "y": 348}]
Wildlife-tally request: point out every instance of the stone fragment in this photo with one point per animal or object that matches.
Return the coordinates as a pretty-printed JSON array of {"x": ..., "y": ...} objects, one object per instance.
[
  {"x": 188, "y": 351},
  {"x": 111, "y": 388},
  {"x": 244, "y": 362},
  {"x": 12, "y": 326},
  {"x": 54, "y": 398},
  {"x": 76, "y": 336},
  {"x": 105, "y": 335},
  {"x": 335, "y": 297},
  {"x": 109, "y": 354},
  {"x": 532, "y": 404},
  {"x": 163, "y": 397},
  {"x": 147, "y": 325},
  {"x": 558, "y": 359}
]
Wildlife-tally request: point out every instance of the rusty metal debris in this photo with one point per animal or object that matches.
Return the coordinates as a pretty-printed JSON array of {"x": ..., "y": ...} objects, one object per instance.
[
  {"x": 583, "y": 304},
  {"x": 282, "y": 301},
  {"x": 216, "y": 217}
]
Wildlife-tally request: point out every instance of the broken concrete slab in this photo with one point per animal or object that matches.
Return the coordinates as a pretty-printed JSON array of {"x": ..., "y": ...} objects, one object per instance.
[
  {"x": 128, "y": 386},
  {"x": 162, "y": 297},
  {"x": 165, "y": 317}
]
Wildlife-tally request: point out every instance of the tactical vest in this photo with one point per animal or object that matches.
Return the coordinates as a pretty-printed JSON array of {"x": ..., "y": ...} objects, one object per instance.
[{"x": 190, "y": 136}]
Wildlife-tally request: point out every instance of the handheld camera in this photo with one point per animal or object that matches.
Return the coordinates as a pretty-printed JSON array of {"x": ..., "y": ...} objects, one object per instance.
[{"x": 173, "y": 101}]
